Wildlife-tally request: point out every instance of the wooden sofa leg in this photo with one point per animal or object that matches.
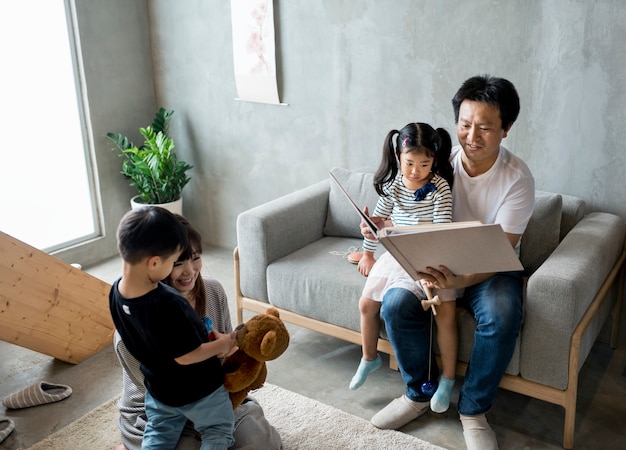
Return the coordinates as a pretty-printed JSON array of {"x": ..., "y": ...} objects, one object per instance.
[
  {"x": 393, "y": 362},
  {"x": 568, "y": 430},
  {"x": 617, "y": 309}
]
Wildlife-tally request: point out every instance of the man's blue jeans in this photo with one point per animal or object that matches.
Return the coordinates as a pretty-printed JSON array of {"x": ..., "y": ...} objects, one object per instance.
[{"x": 496, "y": 304}]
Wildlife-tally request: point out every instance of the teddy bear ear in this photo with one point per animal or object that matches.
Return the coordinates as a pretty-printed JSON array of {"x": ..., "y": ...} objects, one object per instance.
[
  {"x": 268, "y": 343},
  {"x": 272, "y": 312}
]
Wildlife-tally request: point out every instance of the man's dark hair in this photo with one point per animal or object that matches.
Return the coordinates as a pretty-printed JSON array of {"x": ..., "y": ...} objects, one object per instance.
[{"x": 497, "y": 92}]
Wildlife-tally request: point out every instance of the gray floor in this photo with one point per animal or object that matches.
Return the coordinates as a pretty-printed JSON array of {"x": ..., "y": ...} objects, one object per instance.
[{"x": 320, "y": 367}]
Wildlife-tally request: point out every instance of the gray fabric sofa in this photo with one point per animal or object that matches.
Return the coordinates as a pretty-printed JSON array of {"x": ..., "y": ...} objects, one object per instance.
[{"x": 290, "y": 254}]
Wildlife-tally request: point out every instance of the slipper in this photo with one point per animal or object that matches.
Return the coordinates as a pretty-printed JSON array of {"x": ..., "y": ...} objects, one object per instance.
[
  {"x": 37, "y": 394},
  {"x": 6, "y": 426},
  {"x": 355, "y": 257},
  {"x": 398, "y": 413},
  {"x": 477, "y": 433}
]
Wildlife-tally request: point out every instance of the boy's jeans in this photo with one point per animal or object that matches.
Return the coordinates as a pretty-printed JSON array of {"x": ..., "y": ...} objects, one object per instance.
[
  {"x": 496, "y": 304},
  {"x": 213, "y": 418}
]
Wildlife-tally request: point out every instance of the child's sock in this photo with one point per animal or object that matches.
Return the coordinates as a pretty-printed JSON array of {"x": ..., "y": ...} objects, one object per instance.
[
  {"x": 365, "y": 368},
  {"x": 441, "y": 400}
]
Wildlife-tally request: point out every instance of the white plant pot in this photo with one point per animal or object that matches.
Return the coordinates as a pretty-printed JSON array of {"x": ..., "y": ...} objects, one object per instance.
[{"x": 175, "y": 207}]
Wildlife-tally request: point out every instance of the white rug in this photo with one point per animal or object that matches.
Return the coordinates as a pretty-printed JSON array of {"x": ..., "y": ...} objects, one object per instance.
[{"x": 303, "y": 424}]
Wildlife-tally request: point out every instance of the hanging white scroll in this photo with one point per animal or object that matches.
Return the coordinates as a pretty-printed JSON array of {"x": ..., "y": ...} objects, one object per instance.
[{"x": 254, "y": 50}]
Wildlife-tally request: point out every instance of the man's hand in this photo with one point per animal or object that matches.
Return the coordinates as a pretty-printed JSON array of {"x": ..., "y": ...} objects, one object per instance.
[
  {"x": 443, "y": 278},
  {"x": 440, "y": 279}
]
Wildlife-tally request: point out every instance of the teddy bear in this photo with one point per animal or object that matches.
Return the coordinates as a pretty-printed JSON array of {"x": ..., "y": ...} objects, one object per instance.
[{"x": 262, "y": 338}]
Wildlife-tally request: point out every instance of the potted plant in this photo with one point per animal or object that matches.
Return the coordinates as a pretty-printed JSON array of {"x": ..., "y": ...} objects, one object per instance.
[{"x": 153, "y": 168}]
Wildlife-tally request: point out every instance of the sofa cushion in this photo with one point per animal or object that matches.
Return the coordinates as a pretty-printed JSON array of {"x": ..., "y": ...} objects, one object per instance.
[
  {"x": 574, "y": 209},
  {"x": 316, "y": 282},
  {"x": 543, "y": 231},
  {"x": 342, "y": 220}
]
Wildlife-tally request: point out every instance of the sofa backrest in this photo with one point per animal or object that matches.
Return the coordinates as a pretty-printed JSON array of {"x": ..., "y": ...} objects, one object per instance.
[
  {"x": 342, "y": 220},
  {"x": 553, "y": 217},
  {"x": 543, "y": 231},
  {"x": 574, "y": 209}
]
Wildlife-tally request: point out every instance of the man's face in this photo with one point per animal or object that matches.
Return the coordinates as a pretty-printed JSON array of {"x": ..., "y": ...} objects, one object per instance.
[{"x": 480, "y": 133}]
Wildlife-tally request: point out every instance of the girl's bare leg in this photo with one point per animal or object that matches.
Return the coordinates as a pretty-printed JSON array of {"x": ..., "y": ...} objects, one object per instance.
[
  {"x": 370, "y": 330},
  {"x": 447, "y": 338}
]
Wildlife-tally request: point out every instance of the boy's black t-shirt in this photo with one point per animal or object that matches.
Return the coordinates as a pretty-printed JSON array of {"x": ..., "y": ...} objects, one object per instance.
[{"x": 158, "y": 327}]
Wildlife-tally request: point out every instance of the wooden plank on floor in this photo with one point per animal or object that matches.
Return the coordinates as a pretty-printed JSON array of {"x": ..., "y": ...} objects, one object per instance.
[{"x": 48, "y": 306}]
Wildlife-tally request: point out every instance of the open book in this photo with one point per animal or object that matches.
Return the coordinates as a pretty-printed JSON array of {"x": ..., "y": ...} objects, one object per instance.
[{"x": 463, "y": 247}]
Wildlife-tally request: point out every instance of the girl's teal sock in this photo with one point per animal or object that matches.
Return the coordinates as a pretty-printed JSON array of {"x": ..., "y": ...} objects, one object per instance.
[
  {"x": 441, "y": 400},
  {"x": 365, "y": 368}
]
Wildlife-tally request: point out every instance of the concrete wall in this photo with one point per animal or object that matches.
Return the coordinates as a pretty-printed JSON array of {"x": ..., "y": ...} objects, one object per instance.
[{"x": 350, "y": 71}]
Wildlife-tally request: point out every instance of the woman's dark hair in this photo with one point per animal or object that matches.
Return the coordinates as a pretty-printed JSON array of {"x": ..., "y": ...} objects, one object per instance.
[
  {"x": 415, "y": 138},
  {"x": 194, "y": 247},
  {"x": 497, "y": 92},
  {"x": 149, "y": 231}
]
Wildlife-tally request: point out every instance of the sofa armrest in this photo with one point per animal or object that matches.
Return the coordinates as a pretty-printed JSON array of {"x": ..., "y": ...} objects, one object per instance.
[
  {"x": 275, "y": 229},
  {"x": 561, "y": 290}
]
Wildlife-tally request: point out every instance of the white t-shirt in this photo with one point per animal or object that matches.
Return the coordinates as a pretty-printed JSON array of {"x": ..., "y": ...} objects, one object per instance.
[{"x": 505, "y": 194}]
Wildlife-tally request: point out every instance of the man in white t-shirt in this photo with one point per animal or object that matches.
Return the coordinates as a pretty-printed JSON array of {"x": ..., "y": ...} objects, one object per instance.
[{"x": 494, "y": 186}]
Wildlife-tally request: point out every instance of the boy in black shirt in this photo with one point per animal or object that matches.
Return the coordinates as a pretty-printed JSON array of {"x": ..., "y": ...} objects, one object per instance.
[{"x": 183, "y": 373}]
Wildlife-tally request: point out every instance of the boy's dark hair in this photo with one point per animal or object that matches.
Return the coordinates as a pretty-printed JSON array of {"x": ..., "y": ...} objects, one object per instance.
[
  {"x": 497, "y": 92},
  {"x": 150, "y": 231}
]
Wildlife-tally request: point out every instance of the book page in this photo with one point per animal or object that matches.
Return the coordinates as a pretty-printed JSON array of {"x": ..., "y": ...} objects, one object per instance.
[
  {"x": 426, "y": 227},
  {"x": 464, "y": 248}
]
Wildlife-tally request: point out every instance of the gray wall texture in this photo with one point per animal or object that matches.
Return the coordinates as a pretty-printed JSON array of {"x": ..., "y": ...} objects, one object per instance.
[{"x": 350, "y": 71}]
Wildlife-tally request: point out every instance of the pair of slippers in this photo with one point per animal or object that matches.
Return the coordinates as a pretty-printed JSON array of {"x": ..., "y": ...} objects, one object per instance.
[{"x": 37, "y": 394}]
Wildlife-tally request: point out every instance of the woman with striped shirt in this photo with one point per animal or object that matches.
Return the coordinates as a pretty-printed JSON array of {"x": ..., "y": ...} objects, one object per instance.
[{"x": 413, "y": 180}]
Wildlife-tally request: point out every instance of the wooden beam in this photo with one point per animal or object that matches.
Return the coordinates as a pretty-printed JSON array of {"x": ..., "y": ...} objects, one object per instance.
[{"x": 48, "y": 306}]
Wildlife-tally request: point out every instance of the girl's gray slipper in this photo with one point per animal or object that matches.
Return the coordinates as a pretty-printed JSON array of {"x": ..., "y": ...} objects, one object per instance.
[
  {"x": 6, "y": 426},
  {"x": 37, "y": 394}
]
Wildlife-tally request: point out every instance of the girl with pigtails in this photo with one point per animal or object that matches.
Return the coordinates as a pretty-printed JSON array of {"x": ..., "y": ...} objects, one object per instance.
[{"x": 414, "y": 182}]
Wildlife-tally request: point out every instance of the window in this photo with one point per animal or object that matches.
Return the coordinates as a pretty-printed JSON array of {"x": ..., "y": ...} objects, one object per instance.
[{"x": 47, "y": 198}]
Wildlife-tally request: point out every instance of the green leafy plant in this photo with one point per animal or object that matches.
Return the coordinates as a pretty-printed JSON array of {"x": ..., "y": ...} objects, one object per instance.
[{"x": 153, "y": 169}]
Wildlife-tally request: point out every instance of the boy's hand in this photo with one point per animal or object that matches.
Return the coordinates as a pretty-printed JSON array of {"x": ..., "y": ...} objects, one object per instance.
[{"x": 227, "y": 343}]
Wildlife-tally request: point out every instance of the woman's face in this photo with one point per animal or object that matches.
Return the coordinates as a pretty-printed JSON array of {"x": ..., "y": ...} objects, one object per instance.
[{"x": 185, "y": 273}]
